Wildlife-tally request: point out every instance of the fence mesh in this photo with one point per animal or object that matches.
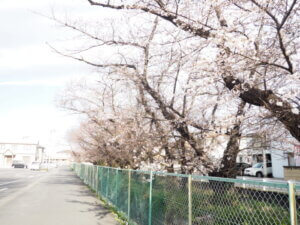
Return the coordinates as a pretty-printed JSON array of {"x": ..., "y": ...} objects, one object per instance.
[
  {"x": 298, "y": 202},
  {"x": 170, "y": 200},
  {"x": 226, "y": 203},
  {"x": 139, "y": 197},
  {"x": 155, "y": 198}
]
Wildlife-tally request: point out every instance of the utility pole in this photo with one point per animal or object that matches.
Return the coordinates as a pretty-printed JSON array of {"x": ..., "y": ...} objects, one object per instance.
[{"x": 264, "y": 156}]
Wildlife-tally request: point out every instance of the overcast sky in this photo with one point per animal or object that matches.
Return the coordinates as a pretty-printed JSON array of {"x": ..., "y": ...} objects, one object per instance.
[{"x": 31, "y": 74}]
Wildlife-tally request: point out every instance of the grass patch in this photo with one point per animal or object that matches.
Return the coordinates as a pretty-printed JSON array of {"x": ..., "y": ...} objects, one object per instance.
[{"x": 121, "y": 218}]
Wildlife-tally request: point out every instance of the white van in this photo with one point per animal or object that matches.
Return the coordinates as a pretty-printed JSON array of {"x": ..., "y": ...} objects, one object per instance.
[
  {"x": 257, "y": 170},
  {"x": 35, "y": 166}
]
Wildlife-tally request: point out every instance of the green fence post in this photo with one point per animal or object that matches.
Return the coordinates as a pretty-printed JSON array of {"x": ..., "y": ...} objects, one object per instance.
[
  {"x": 100, "y": 170},
  {"x": 117, "y": 187},
  {"x": 190, "y": 198},
  {"x": 83, "y": 172},
  {"x": 107, "y": 183},
  {"x": 102, "y": 182},
  {"x": 91, "y": 176},
  {"x": 150, "y": 199},
  {"x": 292, "y": 201},
  {"x": 86, "y": 174},
  {"x": 97, "y": 180},
  {"x": 94, "y": 178},
  {"x": 80, "y": 170},
  {"x": 129, "y": 188}
]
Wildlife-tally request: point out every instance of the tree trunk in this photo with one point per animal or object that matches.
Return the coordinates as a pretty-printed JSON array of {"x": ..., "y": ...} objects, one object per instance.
[{"x": 228, "y": 168}]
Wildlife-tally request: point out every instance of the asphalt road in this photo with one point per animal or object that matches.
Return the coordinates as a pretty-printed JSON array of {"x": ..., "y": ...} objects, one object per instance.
[
  {"x": 56, "y": 197},
  {"x": 12, "y": 180}
]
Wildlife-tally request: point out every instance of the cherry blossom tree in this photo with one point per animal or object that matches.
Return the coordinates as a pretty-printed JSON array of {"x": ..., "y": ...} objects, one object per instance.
[
  {"x": 196, "y": 69},
  {"x": 255, "y": 43}
]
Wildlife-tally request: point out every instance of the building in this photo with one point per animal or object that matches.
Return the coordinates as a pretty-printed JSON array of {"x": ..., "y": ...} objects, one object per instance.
[
  {"x": 21, "y": 151},
  {"x": 60, "y": 157},
  {"x": 278, "y": 154}
]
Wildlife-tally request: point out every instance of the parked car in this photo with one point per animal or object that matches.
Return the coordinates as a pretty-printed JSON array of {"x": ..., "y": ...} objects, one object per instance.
[
  {"x": 35, "y": 166},
  {"x": 240, "y": 168},
  {"x": 18, "y": 164},
  {"x": 258, "y": 170},
  {"x": 48, "y": 166},
  {"x": 52, "y": 165},
  {"x": 44, "y": 166}
]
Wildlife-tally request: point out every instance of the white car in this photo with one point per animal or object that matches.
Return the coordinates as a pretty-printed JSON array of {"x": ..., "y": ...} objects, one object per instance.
[
  {"x": 35, "y": 166},
  {"x": 257, "y": 170}
]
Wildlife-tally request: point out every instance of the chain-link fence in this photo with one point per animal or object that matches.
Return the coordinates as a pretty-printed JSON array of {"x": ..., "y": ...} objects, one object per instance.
[{"x": 156, "y": 198}]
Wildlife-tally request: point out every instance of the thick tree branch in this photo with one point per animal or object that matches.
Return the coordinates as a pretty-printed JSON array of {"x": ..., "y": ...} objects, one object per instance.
[
  {"x": 279, "y": 108},
  {"x": 172, "y": 18}
]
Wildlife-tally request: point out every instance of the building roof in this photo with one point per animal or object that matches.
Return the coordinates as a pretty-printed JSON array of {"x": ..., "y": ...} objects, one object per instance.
[
  {"x": 19, "y": 140},
  {"x": 18, "y": 143}
]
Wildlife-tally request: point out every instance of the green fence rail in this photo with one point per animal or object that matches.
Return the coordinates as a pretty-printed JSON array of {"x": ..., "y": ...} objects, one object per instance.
[{"x": 156, "y": 198}]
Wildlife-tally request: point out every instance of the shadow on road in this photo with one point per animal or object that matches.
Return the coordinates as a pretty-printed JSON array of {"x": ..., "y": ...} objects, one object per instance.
[
  {"x": 57, "y": 197},
  {"x": 95, "y": 207},
  {"x": 81, "y": 191}
]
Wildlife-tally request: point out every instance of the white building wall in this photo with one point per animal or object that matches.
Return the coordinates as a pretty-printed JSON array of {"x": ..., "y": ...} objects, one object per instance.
[
  {"x": 18, "y": 151},
  {"x": 26, "y": 158},
  {"x": 279, "y": 160},
  {"x": 1, "y": 160}
]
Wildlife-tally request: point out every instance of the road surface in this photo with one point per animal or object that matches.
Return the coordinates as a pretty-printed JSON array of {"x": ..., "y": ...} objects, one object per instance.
[{"x": 56, "y": 197}]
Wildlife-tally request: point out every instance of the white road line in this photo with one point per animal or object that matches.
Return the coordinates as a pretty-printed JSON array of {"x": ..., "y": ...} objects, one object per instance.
[
  {"x": 15, "y": 181},
  {"x": 22, "y": 191},
  {"x": 3, "y": 189}
]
